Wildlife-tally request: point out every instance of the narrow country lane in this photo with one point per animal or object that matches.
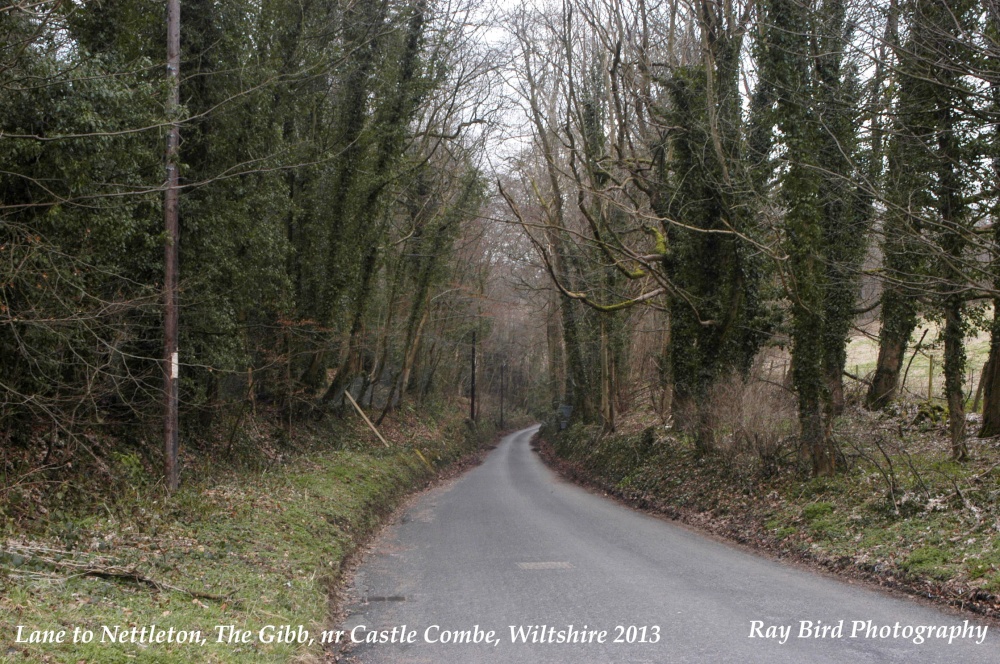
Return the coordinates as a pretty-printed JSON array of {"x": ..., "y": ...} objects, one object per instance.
[{"x": 510, "y": 545}]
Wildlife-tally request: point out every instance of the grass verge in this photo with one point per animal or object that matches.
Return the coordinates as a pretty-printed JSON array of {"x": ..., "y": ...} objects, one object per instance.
[
  {"x": 241, "y": 551},
  {"x": 899, "y": 514}
]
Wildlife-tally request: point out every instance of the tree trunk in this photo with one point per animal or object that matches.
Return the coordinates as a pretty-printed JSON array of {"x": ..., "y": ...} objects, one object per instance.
[
  {"x": 411, "y": 352},
  {"x": 952, "y": 211},
  {"x": 814, "y": 438},
  {"x": 607, "y": 403},
  {"x": 810, "y": 384},
  {"x": 666, "y": 373},
  {"x": 991, "y": 372},
  {"x": 954, "y": 369},
  {"x": 385, "y": 329},
  {"x": 362, "y": 295},
  {"x": 835, "y": 389},
  {"x": 418, "y": 317},
  {"x": 557, "y": 362},
  {"x": 991, "y": 391},
  {"x": 898, "y": 321}
]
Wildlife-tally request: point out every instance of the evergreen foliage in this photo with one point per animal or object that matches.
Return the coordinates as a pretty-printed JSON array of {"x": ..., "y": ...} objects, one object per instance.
[{"x": 746, "y": 170}]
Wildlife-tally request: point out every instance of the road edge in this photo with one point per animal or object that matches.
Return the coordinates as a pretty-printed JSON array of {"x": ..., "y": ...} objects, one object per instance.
[
  {"x": 363, "y": 545},
  {"x": 705, "y": 525}
]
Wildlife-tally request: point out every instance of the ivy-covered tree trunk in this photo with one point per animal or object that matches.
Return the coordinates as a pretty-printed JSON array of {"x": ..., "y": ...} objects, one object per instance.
[
  {"x": 809, "y": 377},
  {"x": 845, "y": 213},
  {"x": 717, "y": 321},
  {"x": 953, "y": 244},
  {"x": 954, "y": 374},
  {"x": 801, "y": 55},
  {"x": 935, "y": 112},
  {"x": 991, "y": 377},
  {"x": 324, "y": 233}
]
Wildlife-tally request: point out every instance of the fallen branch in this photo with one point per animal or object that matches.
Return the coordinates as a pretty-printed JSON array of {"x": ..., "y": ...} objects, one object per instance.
[
  {"x": 127, "y": 574},
  {"x": 354, "y": 403},
  {"x": 122, "y": 574}
]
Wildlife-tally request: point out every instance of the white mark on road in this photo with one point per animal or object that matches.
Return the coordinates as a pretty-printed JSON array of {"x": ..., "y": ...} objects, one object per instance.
[{"x": 545, "y": 565}]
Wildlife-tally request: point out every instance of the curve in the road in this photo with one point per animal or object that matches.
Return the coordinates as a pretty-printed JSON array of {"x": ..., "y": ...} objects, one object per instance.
[{"x": 558, "y": 574}]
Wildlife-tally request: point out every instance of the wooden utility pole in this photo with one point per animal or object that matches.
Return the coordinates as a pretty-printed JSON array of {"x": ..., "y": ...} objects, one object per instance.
[
  {"x": 171, "y": 363},
  {"x": 472, "y": 392}
]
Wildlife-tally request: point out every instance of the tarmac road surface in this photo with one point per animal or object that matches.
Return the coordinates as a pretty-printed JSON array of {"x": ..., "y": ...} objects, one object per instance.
[{"x": 509, "y": 563}]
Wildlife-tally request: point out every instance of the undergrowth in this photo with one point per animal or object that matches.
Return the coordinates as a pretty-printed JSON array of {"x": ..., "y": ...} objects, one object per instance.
[
  {"x": 255, "y": 545},
  {"x": 899, "y": 511}
]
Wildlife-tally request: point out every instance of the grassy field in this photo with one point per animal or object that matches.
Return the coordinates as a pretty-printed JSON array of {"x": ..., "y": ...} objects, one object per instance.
[
  {"x": 255, "y": 551},
  {"x": 862, "y": 352}
]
